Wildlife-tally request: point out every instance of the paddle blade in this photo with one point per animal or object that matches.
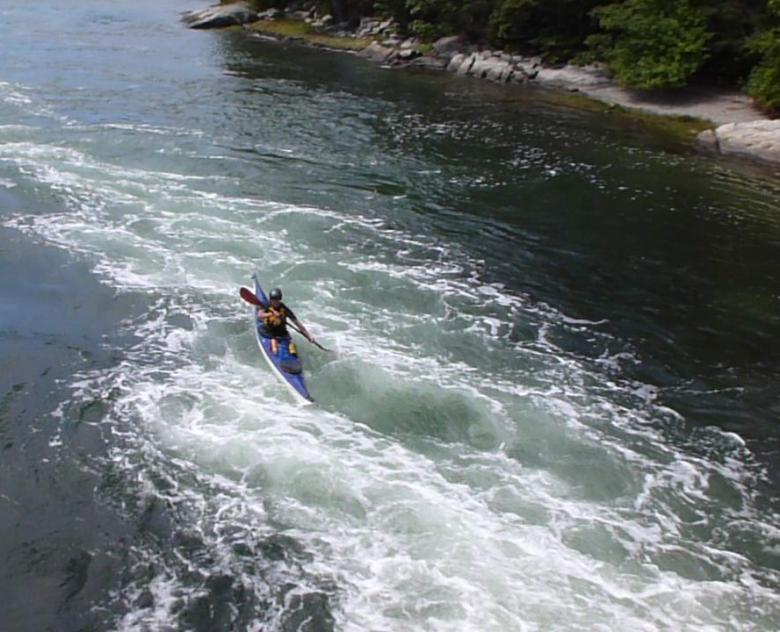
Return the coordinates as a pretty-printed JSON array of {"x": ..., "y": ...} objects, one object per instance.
[{"x": 249, "y": 296}]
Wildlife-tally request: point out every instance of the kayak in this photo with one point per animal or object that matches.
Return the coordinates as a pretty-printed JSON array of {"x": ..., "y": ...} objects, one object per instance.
[{"x": 276, "y": 351}]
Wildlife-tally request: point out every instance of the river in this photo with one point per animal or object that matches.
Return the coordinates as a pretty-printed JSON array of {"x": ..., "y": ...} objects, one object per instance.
[{"x": 553, "y": 400}]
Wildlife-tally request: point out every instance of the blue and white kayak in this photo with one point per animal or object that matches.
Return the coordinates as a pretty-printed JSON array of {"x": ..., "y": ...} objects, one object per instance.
[{"x": 285, "y": 365}]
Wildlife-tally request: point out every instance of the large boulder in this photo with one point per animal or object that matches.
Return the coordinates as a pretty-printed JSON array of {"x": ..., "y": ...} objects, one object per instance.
[
  {"x": 376, "y": 52},
  {"x": 220, "y": 16},
  {"x": 490, "y": 67},
  {"x": 467, "y": 64},
  {"x": 754, "y": 139},
  {"x": 447, "y": 46},
  {"x": 455, "y": 63}
]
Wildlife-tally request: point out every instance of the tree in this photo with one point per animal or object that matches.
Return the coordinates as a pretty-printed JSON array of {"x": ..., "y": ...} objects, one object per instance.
[
  {"x": 652, "y": 44},
  {"x": 764, "y": 84},
  {"x": 555, "y": 28}
]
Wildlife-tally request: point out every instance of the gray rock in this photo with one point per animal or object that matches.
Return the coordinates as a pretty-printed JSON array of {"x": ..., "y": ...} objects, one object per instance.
[
  {"x": 386, "y": 26},
  {"x": 407, "y": 54},
  {"x": 426, "y": 61},
  {"x": 708, "y": 140},
  {"x": 325, "y": 20},
  {"x": 270, "y": 14},
  {"x": 220, "y": 16},
  {"x": 454, "y": 64},
  {"x": 500, "y": 71},
  {"x": 491, "y": 68},
  {"x": 376, "y": 52},
  {"x": 753, "y": 139},
  {"x": 467, "y": 65},
  {"x": 370, "y": 26},
  {"x": 447, "y": 46}
]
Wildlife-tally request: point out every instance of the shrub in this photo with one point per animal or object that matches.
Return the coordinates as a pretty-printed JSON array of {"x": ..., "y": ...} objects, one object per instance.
[
  {"x": 764, "y": 84},
  {"x": 652, "y": 44}
]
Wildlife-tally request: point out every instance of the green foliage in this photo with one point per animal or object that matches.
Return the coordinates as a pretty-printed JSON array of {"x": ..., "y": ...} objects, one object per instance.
[
  {"x": 555, "y": 28},
  {"x": 513, "y": 21},
  {"x": 764, "y": 84},
  {"x": 431, "y": 19},
  {"x": 649, "y": 44},
  {"x": 652, "y": 44},
  {"x": 429, "y": 32},
  {"x": 730, "y": 23}
]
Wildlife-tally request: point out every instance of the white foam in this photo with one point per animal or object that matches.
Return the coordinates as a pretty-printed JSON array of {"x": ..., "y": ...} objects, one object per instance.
[{"x": 585, "y": 519}]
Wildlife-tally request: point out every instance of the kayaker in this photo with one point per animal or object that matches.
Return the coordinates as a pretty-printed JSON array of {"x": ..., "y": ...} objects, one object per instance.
[{"x": 275, "y": 317}]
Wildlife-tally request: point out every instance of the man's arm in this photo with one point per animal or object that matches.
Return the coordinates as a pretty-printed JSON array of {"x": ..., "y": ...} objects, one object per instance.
[{"x": 303, "y": 329}]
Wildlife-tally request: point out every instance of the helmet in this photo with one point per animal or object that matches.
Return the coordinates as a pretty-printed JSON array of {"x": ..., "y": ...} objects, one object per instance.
[{"x": 275, "y": 294}]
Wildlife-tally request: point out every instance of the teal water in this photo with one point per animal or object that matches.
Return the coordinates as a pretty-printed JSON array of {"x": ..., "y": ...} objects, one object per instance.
[{"x": 553, "y": 401}]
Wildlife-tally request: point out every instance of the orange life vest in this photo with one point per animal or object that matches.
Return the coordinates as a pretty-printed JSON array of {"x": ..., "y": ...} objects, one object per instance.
[{"x": 276, "y": 317}]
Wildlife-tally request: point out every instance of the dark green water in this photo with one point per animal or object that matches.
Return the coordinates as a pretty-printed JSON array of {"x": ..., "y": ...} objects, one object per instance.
[{"x": 554, "y": 400}]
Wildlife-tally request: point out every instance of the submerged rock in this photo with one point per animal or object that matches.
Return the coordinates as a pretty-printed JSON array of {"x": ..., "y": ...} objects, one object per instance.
[{"x": 220, "y": 16}]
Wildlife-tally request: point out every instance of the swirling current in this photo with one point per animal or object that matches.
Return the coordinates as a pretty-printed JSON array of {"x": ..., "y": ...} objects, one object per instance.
[{"x": 552, "y": 401}]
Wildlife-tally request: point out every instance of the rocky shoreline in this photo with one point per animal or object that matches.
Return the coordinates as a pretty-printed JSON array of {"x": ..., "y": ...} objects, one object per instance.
[{"x": 737, "y": 128}]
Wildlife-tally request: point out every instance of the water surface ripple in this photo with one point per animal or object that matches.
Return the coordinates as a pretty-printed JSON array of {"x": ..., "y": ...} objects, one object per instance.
[{"x": 553, "y": 403}]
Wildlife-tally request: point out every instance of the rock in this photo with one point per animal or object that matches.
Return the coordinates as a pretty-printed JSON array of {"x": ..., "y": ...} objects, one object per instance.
[
  {"x": 412, "y": 42},
  {"x": 467, "y": 65},
  {"x": 387, "y": 26},
  {"x": 269, "y": 14},
  {"x": 500, "y": 71},
  {"x": 754, "y": 139},
  {"x": 427, "y": 61},
  {"x": 367, "y": 27},
  {"x": 454, "y": 64},
  {"x": 708, "y": 140},
  {"x": 491, "y": 68},
  {"x": 376, "y": 52},
  {"x": 220, "y": 16},
  {"x": 447, "y": 46},
  {"x": 407, "y": 54}
]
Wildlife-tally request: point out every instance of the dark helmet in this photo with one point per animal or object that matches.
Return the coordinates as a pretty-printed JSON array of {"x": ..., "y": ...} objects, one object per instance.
[{"x": 275, "y": 294}]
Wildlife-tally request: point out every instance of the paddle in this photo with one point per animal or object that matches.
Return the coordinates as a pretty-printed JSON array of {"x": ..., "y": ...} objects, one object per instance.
[{"x": 249, "y": 296}]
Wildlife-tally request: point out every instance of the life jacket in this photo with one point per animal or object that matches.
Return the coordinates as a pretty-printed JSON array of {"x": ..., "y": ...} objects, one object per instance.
[{"x": 276, "y": 317}]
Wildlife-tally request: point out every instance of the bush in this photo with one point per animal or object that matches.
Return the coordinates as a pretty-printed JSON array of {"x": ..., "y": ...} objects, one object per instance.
[
  {"x": 764, "y": 84},
  {"x": 554, "y": 28},
  {"x": 429, "y": 32},
  {"x": 652, "y": 44}
]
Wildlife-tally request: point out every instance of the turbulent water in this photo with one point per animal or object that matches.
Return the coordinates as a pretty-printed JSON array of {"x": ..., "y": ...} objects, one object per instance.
[{"x": 553, "y": 399}]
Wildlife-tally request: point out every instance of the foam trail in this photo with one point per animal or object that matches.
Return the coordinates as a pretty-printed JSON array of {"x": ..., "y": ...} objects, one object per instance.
[{"x": 470, "y": 473}]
